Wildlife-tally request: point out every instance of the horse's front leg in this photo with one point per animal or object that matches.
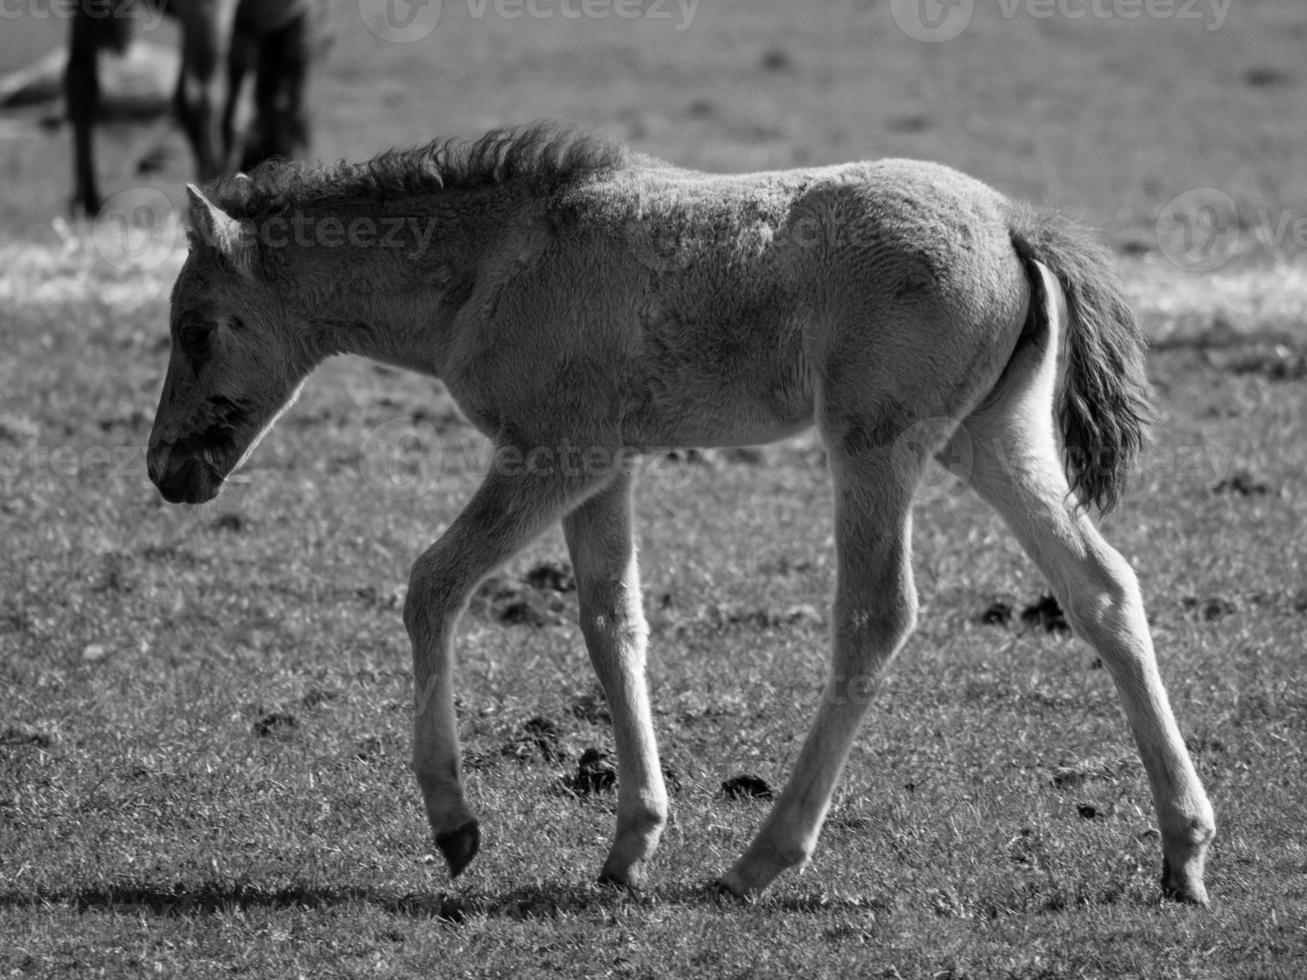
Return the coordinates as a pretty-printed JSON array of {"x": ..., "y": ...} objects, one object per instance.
[
  {"x": 601, "y": 540},
  {"x": 82, "y": 95},
  {"x": 504, "y": 514}
]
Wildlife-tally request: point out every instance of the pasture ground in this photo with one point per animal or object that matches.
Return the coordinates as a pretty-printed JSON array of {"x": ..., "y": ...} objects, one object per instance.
[{"x": 204, "y": 713}]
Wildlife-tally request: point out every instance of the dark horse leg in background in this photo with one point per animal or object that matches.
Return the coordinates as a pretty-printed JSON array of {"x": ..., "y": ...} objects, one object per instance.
[
  {"x": 239, "y": 58},
  {"x": 206, "y": 34},
  {"x": 90, "y": 32},
  {"x": 281, "y": 125},
  {"x": 207, "y": 39},
  {"x": 280, "y": 56}
]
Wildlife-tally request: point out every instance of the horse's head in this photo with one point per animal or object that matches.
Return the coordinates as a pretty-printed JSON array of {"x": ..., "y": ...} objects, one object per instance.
[{"x": 238, "y": 360}]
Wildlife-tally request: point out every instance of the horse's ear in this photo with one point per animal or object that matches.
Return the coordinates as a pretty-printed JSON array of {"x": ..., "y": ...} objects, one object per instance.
[{"x": 214, "y": 227}]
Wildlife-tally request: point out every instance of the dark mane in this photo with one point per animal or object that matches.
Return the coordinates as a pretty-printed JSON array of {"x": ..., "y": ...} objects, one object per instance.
[{"x": 546, "y": 152}]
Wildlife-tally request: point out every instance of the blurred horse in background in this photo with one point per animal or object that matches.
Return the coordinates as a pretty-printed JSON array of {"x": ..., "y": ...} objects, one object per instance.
[{"x": 277, "y": 38}]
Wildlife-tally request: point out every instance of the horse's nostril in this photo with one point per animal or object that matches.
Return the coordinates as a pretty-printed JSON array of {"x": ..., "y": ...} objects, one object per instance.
[
  {"x": 156, "y": 462},
  {"x": 176, "y": 486}
]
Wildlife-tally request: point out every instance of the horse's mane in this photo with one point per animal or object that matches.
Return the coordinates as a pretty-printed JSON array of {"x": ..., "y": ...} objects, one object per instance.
[{"x": 549, "y": 153}]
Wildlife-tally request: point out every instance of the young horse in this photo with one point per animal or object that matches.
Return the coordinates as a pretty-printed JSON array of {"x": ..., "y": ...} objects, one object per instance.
[
  {"x": 580, "y": 302},
  {"x": 278, "y": 34}
]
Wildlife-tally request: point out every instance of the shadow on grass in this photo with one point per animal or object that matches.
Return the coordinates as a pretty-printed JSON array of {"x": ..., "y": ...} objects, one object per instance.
[{"x": 524, "y": 903}]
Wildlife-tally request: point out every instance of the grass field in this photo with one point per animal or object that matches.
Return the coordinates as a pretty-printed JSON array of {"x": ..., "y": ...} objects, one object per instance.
[{"x": 204, "y": 713}]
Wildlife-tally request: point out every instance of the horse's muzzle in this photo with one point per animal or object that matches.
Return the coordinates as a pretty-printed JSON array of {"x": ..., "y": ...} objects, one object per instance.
[{"x": 186, "y": 481}]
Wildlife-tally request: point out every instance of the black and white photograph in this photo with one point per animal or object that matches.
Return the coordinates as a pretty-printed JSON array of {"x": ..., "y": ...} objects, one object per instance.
[{"x": 653, "y": 488}]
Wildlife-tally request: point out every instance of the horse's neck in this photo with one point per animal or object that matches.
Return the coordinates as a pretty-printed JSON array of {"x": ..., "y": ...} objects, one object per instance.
[{"x": 377, "y": 284}]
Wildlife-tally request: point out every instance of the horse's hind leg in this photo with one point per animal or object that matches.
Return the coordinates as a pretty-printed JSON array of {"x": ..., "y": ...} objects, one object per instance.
[
  {"x": 280, "y": 127},
  {"x": 1015, "y": 467},
  {"x": 602, "y": 544},
  {"x": 206, "y": 34},
  {"x": 239, "y": 56},
  {"x": 506, "y": 512},
  {"x": 875, "y": 610}
]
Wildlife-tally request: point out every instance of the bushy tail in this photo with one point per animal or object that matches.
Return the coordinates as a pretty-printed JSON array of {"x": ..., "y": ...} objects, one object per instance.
[{"x": 1103, "y": 404}]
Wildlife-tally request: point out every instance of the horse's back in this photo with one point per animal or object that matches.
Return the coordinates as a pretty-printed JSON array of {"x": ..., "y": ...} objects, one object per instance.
[
  {"x": 750, "y": 295},
  {"x": 887, "y": 226},
  {"x": 693, "y": 309}
]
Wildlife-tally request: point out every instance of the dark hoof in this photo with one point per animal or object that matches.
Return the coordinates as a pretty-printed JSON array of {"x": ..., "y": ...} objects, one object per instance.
[
  {"x": 633, "y": 883},
  {"x": 1185, "y": 893},
  {"x": 724, "y": 894},
  {"x": 460, "y": 846}
]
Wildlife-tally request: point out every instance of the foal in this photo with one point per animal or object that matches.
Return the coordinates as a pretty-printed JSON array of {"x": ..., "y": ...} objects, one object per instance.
[{"x": 573, "y": 296}]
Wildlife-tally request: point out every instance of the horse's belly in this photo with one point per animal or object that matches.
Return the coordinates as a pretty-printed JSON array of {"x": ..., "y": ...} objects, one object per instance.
[
  {"x": 719, "y": 362},
  {"x": 256, "y": 18},
  {"x": 716, "y": 413}
]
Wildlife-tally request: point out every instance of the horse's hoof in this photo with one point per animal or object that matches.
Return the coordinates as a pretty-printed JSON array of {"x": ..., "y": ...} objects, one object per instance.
[
  {"x": 627, "y": 883},
  {"x": 1186, "y": 892},
  {"x": 723, "y": 891},
  {"x": 630, "y": 876},
  {"x": 460, "y": 846}
]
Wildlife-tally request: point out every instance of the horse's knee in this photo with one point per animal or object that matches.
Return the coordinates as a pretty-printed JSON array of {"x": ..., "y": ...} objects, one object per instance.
[
  {"x": 432, "y": 594},
  {"x": 613, "y": 626},
  {"x": 609, "y": 612}
]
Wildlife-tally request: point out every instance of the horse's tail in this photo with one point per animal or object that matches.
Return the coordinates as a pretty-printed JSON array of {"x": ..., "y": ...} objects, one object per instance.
[{"x": 1103, "y": 400}]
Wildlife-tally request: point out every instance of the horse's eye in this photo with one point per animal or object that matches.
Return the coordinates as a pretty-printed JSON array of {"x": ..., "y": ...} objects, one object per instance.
[
  {"x": 236, "y": 323},
  {"x": 194, "y": 339}
]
